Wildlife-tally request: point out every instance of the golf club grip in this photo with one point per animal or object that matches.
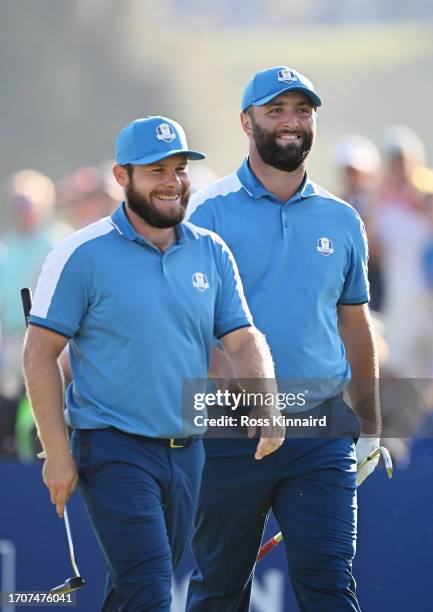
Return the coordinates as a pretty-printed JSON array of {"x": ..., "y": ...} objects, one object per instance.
[
  {"x": 26, "y": 299},
  {"x": 269, "y": 545}
]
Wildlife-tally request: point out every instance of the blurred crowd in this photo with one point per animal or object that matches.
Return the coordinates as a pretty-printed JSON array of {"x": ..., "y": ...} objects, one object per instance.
[
  {"x": 41, "y": 214},
  {"x": 392, "y": 189},
  {"x": 390, "y": 186}
]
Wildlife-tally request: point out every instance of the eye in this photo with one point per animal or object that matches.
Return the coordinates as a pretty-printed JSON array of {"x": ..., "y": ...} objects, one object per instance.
[{"x": 276, "y": 110}]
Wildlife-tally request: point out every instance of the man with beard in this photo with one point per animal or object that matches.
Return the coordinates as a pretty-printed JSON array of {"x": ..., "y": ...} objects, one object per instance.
[
  {"x": 139, "y": 296},
  {"x": 302, "y": 258}
]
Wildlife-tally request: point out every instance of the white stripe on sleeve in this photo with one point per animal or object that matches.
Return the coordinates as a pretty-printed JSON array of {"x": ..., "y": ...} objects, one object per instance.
[
  {"x": 222, "y": 187},
  {"x": 56, "y": 261}
]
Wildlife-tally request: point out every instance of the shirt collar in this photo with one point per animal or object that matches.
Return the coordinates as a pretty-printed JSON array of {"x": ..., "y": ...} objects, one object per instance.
[
  {"x": 120, "y": 221},
  {"x": 256, "y": 189}
]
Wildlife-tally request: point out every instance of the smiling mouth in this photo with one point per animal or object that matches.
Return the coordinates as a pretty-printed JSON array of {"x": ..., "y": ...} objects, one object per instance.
[
  {"x": 289, "y": 137},
  {"x": 168, "y": 198}
]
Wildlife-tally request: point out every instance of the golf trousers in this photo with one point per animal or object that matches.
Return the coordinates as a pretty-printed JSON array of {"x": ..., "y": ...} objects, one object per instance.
[
  {"x": 140, "y": 497},
  {"x": 310, "y": 484}
]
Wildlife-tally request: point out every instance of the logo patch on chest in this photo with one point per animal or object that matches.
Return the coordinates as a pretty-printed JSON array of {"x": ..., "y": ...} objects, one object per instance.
[
  {"x": 324, "y": 246},
  {"x": 199, "y": 281}
]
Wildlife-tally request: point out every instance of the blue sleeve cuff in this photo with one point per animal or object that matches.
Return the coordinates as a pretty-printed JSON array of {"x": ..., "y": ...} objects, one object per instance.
[
  {"x": 232, "y": 329},
  {"x": 54, "y": 326},
  {"x": 356, "y": 302}
]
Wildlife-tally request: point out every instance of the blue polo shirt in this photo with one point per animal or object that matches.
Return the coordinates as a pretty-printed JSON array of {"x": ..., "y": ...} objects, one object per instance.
[
  {"x": 139, "y": 321},
  {"x": 298, "y": 260}
]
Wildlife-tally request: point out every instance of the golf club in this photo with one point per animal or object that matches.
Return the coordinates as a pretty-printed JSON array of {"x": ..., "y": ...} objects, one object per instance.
[
  {"x": 77, "y": 581},
  {"x": 277, "y": 538}
]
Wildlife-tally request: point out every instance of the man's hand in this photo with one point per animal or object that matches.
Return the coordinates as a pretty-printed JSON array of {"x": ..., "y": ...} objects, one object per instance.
[
  {"x": 251, "y": 361},
  {"x": 271, "y": 435},
  {"x": 368, "y": 452},
  {"x": 60, "y": 476},
  {"x": 42, "y": 349}
]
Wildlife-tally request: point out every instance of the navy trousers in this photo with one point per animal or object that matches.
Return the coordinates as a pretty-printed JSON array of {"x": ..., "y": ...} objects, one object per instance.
[
  {"x": 140, "y": 497},
  {"x": 310, "y": 484}
]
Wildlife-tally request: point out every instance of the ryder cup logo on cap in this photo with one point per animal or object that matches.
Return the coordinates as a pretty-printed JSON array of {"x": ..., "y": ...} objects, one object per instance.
[
  {"x": 286, "y": 75},
  {"x": 165, "y": 132},
  {"x": 150, "y": 139},
  {"x": 270, "y": 83},
  {"x": 324, "y": 246}
]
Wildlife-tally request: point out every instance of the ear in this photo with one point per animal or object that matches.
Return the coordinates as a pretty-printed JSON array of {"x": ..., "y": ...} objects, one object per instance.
[
  {"x": 246, "y": 123},
  {"x": 121, "y": 175}
]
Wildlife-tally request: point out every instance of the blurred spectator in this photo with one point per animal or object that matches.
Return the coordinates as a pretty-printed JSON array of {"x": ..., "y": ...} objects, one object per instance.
[
  {"x": 359, "y": 164},
  {"x": 401, "y": 229},
  {"x": 89, "y": 194},
  {"x": 404, "y": 153},
  {"x": 23, "y": 248},
  {"x": 421, "y": 448},
  {"x": 423, "y": 179}
]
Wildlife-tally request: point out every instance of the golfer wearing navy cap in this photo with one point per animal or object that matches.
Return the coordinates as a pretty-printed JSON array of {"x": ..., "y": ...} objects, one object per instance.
[
  {"x": 302, "y": 257},
  {"x": 139, "y": 296}
]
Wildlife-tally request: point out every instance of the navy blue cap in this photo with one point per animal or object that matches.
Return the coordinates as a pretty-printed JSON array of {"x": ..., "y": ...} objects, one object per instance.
[
  {"x": 270, "y": 83},
  {"x": 150, "y": 139}
]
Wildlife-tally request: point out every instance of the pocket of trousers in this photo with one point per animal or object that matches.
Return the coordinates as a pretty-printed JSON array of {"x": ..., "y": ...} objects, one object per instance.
[{"x": 81, "y": 449}]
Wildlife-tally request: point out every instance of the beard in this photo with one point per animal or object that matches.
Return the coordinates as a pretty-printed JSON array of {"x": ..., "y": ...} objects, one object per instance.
[
  {"x": 151, "y": 214},
  {"x": 287, "y": 158}
]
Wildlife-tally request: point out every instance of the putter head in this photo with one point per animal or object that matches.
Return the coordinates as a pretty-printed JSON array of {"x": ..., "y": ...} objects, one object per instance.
[{"x": 71, "y": 584}]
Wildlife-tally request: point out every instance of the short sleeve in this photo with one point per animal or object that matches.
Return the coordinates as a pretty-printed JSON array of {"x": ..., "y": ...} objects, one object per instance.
[
  {"x": 231, "y": 311},
  {"x": 61, "y": 298},
  {"x": 356, "y": 285}
]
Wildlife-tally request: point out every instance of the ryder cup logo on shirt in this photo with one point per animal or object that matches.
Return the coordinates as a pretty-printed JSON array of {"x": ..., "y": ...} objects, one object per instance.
[
  {"x": 286, "y": 75},
  {"x": 324, "y": 246},
  {"x": 199, "y": 281},
  {"x": 165, "y": 132}
]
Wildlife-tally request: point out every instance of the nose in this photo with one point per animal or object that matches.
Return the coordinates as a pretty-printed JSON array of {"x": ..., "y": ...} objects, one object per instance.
[
  {"x": 290, "y": 119},
  {"x": 172, "y": 179}
]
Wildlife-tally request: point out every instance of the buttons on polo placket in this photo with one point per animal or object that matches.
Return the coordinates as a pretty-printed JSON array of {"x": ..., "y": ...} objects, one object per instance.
[{"x": 284, "y": 217}]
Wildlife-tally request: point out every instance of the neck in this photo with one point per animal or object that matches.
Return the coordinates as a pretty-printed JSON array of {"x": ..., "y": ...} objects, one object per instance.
[
  {"x": 160, "y": 238},
  {"x": 281, "y": 184}
]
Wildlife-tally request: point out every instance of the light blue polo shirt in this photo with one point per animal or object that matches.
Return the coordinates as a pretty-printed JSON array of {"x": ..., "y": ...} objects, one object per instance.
[
  {"x": 298, "y": 260},
  {"x": 139, "y": 321}
]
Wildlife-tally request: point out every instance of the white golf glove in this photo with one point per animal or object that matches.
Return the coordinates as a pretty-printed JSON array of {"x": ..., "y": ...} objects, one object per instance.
[{"x": 365, "y": 447}]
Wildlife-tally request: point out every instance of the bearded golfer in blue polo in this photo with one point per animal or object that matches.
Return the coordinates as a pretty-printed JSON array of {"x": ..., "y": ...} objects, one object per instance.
[
  {"x": 302, "y": 257},
  {"x": 139, "y": 296}
]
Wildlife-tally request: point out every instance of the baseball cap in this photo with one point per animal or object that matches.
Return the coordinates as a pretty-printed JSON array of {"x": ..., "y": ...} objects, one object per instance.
[
  {"x": 150, "y": 139},
  {"x": 358, "y": 152},
  {"x": 269, "y": 83},
  {"x": 401, "y": 140}
]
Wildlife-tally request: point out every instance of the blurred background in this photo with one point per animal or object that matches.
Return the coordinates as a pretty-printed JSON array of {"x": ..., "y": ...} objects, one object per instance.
[{"x": 74, "y": 72}]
